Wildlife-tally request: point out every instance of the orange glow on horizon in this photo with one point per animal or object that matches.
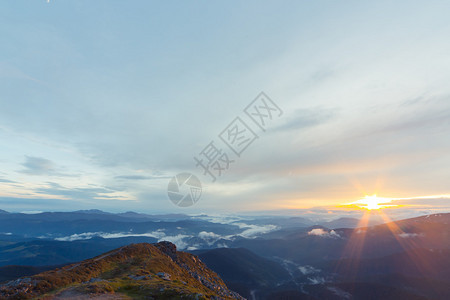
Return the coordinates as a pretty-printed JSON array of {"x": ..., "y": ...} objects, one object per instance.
[{"x": 373, "y": 203}]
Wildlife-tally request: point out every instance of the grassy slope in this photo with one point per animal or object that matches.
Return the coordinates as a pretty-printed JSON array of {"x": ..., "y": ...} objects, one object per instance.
[{"x": 113, "y": 270}]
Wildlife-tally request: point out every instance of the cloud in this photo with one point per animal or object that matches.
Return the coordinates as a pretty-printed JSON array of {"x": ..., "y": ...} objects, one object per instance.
[
  {"x": 316, "y": 280},
  {"x": 6, "y": 180},
  {"x": 306, "y": 270},
  {"x": 140, "y": 177},
  {"x": 133, "y": 177},
  {"x": 324, "y": 233},
  {"x": 305, "y": 118},
  {"x": 208, "y": 235},
  {"x": 251, "y": 231},
  {"x": 181, "y": 240},
  {"x": 82, "y": 193},
  {"x": 159, "y": 234},
  {"x": 178, "y": 240},
  {"x": 409, "y": 235},
  {"x": 121, "y": 114},
  {"x": 38, "y": 166},
  {"x": 222, "y": 218},
  {"x": 434, "y": 201},
  {"x": 42, "y": 166},
  {"x": 423, "y": 115},
  {"x": 90, "y": 235},
  {"x": 211, "y": 237},
  {"x": 340, "y": 293}
]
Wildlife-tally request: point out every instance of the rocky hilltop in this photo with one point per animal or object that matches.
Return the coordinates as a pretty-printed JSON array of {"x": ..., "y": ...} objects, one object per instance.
[{"x": 137, "y": 271}]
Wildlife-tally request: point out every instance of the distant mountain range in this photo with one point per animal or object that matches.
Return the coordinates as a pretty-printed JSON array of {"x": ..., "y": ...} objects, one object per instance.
[
  {"x": 260, "y": 258},
  {"x": 408, "y": 259}
]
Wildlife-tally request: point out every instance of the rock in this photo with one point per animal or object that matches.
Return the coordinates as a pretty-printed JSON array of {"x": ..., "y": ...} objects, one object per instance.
[
  {"x": 163, "y": 275},
  {"x": 142, "y": 277},
  {"x": 167, "y": 248}
]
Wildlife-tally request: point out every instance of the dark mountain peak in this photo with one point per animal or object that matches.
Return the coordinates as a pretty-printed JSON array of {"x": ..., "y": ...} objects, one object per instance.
[
  {"x": 136, "y": 270},
  {"x": 92, "y": 211},
  {"x": 133, "y": 213},
  {"x": 167, "y": 248},
  {"x": 3, "y": 211}
]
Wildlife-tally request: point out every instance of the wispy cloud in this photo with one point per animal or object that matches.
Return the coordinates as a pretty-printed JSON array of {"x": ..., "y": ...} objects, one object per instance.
[
  {"x": 38, "y": 166},
  {"x": 41, "y": 166},
  {"x": 305, "y": 118},
  {"x": 82, "y": 193},
  {"x": 7, "y": 70},
  {"x": 251, "y": 230},
  {"x": 160, "y": 235},
  {"x": 377, "y": 110},
  {"x": 6, "y": 180},
  {"x": 140, "y": 177}
]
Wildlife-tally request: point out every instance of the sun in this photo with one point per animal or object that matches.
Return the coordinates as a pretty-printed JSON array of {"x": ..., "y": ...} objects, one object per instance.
[{"x": 373, "y": 202}]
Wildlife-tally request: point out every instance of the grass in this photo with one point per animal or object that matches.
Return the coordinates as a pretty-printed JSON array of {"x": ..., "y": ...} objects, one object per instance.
[{"x": 115, "y": 269}]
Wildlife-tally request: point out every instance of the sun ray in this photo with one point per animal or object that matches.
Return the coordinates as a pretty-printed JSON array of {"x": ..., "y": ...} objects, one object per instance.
[
  {"x": 348, "y": 264},
  {"x": 411, "y": 248}
]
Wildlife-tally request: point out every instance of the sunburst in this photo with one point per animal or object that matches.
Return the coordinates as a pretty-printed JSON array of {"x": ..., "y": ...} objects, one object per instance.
[{"x": 373, "y": 202}]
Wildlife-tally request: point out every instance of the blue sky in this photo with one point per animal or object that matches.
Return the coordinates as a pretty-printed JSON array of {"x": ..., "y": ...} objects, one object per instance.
[{"x": 102, "y": 102}]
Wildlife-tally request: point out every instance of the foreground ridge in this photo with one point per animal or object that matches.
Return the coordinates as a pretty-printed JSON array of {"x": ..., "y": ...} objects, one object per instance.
[{"x": 136, "y": 271}]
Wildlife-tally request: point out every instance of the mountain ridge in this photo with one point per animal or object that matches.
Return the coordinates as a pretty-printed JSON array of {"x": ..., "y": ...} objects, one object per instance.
[{"x": 132, "y": 271}]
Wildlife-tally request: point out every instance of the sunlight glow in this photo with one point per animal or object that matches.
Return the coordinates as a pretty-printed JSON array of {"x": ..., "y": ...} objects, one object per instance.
[
  {"x": 349, "y": 264},
  {"x": 373, "y": 202}
]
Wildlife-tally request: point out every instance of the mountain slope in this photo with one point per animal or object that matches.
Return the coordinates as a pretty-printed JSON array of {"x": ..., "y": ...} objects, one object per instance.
[
  {"x": 135, "y": 271},
  {"x": 244, "y": 271},
  {"x": 308, "y": 246}
]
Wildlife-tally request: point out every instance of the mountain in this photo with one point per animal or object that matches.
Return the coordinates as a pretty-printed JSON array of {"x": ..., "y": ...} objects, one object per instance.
[
  {"x": 280, "y": 221},
  {"x": 304, "y": 245},
  {"x": 92, "y": 211},
  {"x": 166, "y": 217},
  {"x": 317, "y": 244},
  {"x": 137, "y": 271},
  {"x": 244, "y": 271},
  {"x": 350, "y": 223},
  {"x": 406, "y": 259},
  {"x": 8, "y": 273},
  {"x": 92, "y": 214},
  {"x": 48, "y": 252},
  {"x": 393, "y": 277},
  {"x": 83, "y": 226}
]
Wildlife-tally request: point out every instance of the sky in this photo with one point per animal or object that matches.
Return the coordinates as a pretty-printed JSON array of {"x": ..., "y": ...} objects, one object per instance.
[{"x": 102, "y": 103}]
